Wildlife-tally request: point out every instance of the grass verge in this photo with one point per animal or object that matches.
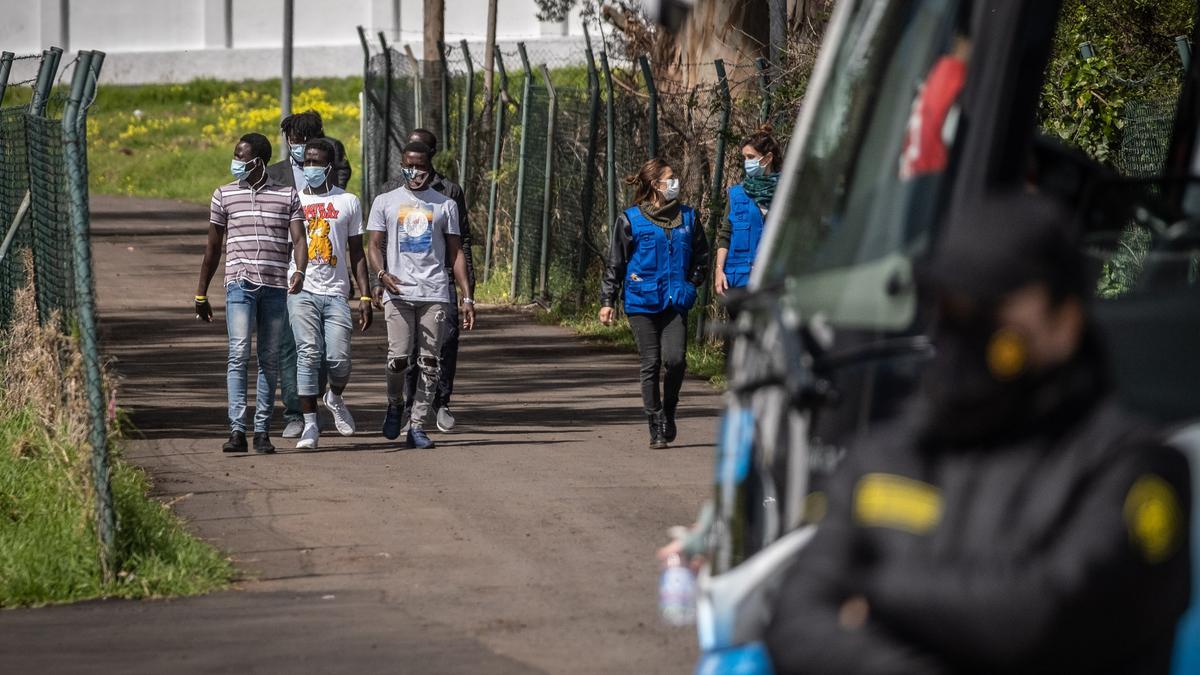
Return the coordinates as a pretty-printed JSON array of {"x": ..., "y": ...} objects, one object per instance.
[{"x": 49, "y": 548}]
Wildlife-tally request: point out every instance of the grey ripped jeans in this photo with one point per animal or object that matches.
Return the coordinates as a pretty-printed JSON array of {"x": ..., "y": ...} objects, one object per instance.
[{"x": 421, "y": 324}]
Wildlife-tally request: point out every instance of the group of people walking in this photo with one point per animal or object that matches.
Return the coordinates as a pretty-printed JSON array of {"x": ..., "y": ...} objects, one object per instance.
[
  {"x": 294, "y": 246},
  {"x": 297, "y": 251}
]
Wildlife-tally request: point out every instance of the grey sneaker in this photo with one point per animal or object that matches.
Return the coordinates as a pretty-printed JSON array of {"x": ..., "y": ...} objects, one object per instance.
[
  {"x": 445, "y": 420},
  {"x": 293, "y": 429}
]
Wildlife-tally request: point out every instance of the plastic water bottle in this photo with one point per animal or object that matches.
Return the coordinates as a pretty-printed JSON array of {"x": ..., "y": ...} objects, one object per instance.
[{"x": 677, "y": 593}]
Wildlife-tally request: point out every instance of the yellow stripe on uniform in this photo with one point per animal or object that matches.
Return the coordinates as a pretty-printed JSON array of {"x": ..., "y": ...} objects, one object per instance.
[{"x": 896, "y": 502}]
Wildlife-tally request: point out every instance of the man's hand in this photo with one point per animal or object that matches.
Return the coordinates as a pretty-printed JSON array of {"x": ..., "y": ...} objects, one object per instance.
[
  {"x": 391, "y": 283},
  {"x": 297, "y": 283},
  {"x": 606, "y": 316},
  {"x": 204, "y": 311},
  {"x": 720, "y": 283},
  {"x": 365, "y": 315},
  {"x": 468, "y": 316},
  {"x": 377, "y": 294}
]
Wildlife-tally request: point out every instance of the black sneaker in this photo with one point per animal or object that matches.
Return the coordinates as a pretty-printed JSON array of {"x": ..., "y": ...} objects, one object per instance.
[
  {"x": 262, "y": 443},
  {"x": 236, "y": 442},
  {"x": 392, "y": 422}
]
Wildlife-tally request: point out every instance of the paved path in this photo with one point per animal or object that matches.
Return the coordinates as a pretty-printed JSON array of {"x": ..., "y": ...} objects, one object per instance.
[{"x": 522, "y": 543}]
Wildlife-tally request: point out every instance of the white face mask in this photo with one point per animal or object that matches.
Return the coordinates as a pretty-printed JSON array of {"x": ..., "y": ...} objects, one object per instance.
[{"x": 671, "y": 191}]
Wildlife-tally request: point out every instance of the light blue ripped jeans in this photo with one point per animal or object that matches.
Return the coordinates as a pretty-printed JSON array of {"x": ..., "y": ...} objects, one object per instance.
[
  {"x": 322, "y": 326},
  {"x": 249, "y": 305}
]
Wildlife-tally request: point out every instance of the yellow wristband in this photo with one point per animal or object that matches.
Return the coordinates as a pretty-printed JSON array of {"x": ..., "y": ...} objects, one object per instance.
[
  {"x": 365, "y": 298},
  {"x": 201, "y": 298}
]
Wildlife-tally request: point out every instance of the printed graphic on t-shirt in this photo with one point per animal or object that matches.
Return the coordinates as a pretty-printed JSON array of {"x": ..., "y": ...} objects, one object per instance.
[
  {"x": 415, "y": 228},
  {"x": 320, "y": 248}
]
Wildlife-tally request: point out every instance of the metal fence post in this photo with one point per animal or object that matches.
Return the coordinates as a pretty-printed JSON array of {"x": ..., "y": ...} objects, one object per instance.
[
  {"x": 468, "y": 112},
  {"x": 521, "y": 157},
  {"x": 366, "y": 101},
  {"x": 548, "y": 186},
  {"x": 764, "y": 83},
  {"x": 387, "y": 108},
  {"x": 45, "y": 80},
  {"x": 717, "y": 193},
  {"x": 652, "y": 112},
  {"x": 610, "y": 159},
  {"x": 498, "y": 141},
  {"x": 418, "y": 99},
  {"x": 588, "y": 193},
  {"x": 73, "y": 156},
  {"x": 445, "y": 102},
  {"x": 6, "y": 60}
]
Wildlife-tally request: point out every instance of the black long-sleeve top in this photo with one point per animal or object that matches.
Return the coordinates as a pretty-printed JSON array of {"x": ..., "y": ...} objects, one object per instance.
[{"x": 621, "y": 248}]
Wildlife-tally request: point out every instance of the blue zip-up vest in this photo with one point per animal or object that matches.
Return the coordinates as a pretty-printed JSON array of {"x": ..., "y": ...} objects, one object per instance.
[
  {"x": 747, "y": 224},
  {"x": 656, "y": 276}
]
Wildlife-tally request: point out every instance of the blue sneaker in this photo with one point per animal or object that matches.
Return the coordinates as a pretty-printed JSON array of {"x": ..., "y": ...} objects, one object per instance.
[
  {"x": 391, "y": 422},
  {"x": 417, "y": 438}
]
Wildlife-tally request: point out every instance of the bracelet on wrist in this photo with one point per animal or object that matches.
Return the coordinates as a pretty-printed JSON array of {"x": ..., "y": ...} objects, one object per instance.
[
  {"x": 364, "y": 298},
  {"x": 468, "y": 301},
  {"x": 201, "y": 298},
  {"x": 379, "y": 274}
]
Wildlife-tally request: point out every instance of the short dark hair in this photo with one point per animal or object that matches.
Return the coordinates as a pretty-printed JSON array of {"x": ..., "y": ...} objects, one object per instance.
[
  {"x": 418, "y": 146},
  {"x": 427, "y": 137},
  {"x": 323, "y": 145},
  {"x": 259, "y": 145},
  {"x": 306, "y": 125}
]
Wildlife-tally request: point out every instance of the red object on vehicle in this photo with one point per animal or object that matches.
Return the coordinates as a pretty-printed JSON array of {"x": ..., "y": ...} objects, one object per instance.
[{"x": 925, "y": 143}]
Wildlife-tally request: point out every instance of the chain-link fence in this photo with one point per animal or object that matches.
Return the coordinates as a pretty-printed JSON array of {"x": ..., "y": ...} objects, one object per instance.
[
  {"x": 543, "y": 162},
  {"x": 44, "y": 216}
]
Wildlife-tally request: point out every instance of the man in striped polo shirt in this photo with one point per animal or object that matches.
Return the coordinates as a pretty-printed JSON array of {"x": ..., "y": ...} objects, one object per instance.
[{"x": 253, "y": 215}]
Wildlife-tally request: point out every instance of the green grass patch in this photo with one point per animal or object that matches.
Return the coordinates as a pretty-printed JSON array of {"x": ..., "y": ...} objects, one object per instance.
[
  {"x": 49, "y": 549},
  {"x": 174, "y": 141}
]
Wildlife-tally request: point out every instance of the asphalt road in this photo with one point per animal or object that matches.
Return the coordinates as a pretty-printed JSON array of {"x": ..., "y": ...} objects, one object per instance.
[{"x": 522, "y": 543}]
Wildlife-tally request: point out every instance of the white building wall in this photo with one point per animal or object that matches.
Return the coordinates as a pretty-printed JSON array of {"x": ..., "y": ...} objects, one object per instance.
[{"x": 179, "y": 40}]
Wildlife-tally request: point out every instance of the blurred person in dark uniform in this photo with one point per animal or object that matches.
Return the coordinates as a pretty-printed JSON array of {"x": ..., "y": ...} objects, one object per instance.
[{"x": 1016, "y": 519}]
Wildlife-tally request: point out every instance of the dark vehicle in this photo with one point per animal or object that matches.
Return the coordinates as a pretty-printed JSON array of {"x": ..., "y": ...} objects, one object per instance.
[{"x": 915, "y": 112}]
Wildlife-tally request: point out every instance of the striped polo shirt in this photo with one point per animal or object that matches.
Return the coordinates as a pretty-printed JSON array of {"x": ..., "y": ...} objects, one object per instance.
[{"x": 256, "y": 230}]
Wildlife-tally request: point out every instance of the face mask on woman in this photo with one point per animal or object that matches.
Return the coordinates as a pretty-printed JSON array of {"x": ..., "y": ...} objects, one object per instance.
[
  {"x": 754, "y": 167},
  {"x": 671, "y": 191},
  {"x": 315, "y": 175},
  {"x": 298, "y": 153}
]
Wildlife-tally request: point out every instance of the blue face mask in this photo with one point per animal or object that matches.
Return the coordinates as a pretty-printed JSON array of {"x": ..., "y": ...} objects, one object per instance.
[
  {"x": 754, "y": 167},
  {"x": 240, "y": 169},
  {"x": 298, "y": 153},
  {"x": 315, "y": 175}
]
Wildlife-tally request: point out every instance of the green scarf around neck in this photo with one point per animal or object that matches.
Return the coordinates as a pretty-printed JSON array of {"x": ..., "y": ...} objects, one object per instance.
[{"x": 761, "y": 189}]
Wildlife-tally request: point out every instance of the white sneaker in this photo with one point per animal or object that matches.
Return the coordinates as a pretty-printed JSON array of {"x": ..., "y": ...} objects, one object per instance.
[
  {"x": 293, "y": 429},
  {"x": 445, "y": 420},
  {"x": 310, "y": 436},
  {"x": 341, "y": 414}
]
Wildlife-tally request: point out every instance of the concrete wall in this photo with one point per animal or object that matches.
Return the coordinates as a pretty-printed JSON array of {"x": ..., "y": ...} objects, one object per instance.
[{"x": 179, "y": 40}]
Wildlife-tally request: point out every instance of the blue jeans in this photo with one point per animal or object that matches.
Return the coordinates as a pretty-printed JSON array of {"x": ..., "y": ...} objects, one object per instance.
[
  {"x": 247, "y": 305},
  {"x": 322, "y": 326}
]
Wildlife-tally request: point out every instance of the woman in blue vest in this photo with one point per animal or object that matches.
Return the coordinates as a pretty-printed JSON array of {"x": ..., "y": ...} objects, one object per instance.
[
  {"x": 659, "y": 255},
  {"x": 742, "y": 228}
]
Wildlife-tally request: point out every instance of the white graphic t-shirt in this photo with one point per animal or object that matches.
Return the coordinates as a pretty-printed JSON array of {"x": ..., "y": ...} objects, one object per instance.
[
  {"x": 330, "y": 219},
  {"x": 416, "y": 224}
]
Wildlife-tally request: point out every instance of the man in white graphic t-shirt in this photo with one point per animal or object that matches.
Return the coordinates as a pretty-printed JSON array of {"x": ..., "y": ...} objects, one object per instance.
[
  {"x": 320, "y": 312},
  {"x": 414, "y": 232}
]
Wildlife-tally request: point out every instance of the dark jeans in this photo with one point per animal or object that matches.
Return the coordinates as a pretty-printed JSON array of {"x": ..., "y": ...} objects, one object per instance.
[
  {"x": 662, "y": 343},
  {"x": 449, "y": 364}
]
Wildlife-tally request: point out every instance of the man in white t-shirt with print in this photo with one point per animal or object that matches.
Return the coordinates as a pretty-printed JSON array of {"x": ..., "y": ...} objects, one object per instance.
[
  {"x": 413, "y": 232},
  {"x": 320, "y": 312}
]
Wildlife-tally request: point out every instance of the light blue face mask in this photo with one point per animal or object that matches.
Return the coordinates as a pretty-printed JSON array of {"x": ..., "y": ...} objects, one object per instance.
[
  {"x": 754, "y": 167},
  {"x": 298, "y": 153},
  {"x": 315, "y": 175},
  {"x": 240, "y": 169}
]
